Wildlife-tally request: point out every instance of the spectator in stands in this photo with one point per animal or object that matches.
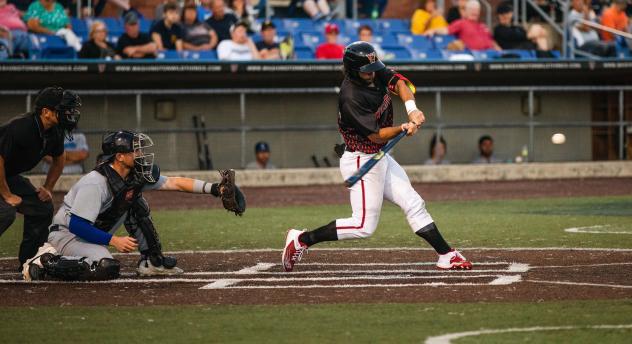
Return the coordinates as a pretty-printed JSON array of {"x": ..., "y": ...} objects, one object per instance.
[
  {"x": 244, "y": 12},
  {"x": 262, "y": 158},
  {"x": 267, "y": 47},
  {"x": 197, "y": 34},
  {"x": 474, "y": 34},
  {"x": 372, "y": 9},
  {"x": 456, "y": 12},
  {"x": 486, "y": 151},
  {"x": 585, "y": 37},
  {"x": 204, "y": 10},
  {"x": 49, "y": 18},
  {"x": 330, "y": 49},
  {"x": 317, "y": 9},
  {"x": 240, "y": 47},
  {"x": 168, "y": 33},
  {"x": 220, "y": 21},
  {"x": 76, "y": 153},
  {"x": 614, "y": 17},
  {"x": 133, "y": 43},
  {"x": 438, "y": 150},
  {"x": 510, "y": 36},
  {"x": 159, "y": 11},
  {"x": 17, "y": 40},
  {"x": 97, "y": 47},
  {"x": 427, "y": 17},
  {"x": 365, "y": 34}
]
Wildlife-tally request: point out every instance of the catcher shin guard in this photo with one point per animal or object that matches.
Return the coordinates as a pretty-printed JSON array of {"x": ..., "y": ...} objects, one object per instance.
[
  {"x": 106, "y": 269},
  {"x": 140, "y": 225},
  {"x": 64, "y": 268}
]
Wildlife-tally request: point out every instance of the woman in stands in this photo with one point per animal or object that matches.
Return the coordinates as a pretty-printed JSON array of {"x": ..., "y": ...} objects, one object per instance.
[
  {"x": 97, "y": 47},
  {"x": 427, "y": 17},
  {"x": 197, "y": 35}
]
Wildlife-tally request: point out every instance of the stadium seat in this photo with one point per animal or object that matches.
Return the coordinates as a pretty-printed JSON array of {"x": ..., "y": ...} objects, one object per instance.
[
  {"x": 486, "y": 54},
  {"x": 45, "y": 41},
  {"x": 523, "y": 54},
  {"x": 145, "y": 25},
  {"x": 351, "y": 26},
  {"x": 310, "y": 39},
  {"x": 441, "y": 41},
  {"x": 386, "y": 38},
  {"x": 400, "y": 53},
  {"x": 394, "y": 25},
  {"x": 207, "y": 55},
  {"x": 114, "y": 25},
  {"x": 168, "y": 55},
  {"x": 294, "y": 25},
  {"x": 304, "y": 53},
  {"x": 431, "y": 54},
  {"x": 58, "y": 53},
  {"x": 415, "y": 42},
  {"x": 79, "y": 27}
]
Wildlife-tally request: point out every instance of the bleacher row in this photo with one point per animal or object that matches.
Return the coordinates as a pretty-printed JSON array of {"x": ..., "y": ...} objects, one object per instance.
[{"x": 392, "y": 35}]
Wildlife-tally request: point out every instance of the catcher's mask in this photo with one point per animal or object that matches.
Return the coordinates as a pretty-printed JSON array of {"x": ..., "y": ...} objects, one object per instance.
[
  {"x": 124, "y": 141},
  {"x": 66, "y": 105}
]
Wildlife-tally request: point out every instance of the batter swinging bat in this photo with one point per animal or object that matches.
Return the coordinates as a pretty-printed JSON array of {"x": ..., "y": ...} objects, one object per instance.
[{"x": 364, "y": 169}]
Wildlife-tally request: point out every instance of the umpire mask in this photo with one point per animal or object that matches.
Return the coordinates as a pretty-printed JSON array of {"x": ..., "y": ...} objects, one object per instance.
[{"x": 66, "y": 105}]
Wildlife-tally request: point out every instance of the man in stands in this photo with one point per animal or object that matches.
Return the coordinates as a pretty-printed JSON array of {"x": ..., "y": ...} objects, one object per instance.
[
  {"x": 486, "y": 151},
  {"x": 167, "y": 33},
  {"x": 586, "y": 38},
  {"x": 267, "y": 47},
  {"x": 11, "y": 23},
  {"x": 474, "y": 34},
  {"x": 134, "y": 44},
  {"x": 331, "y": 49},
  {"x": 240, "y": 47},
  {"x": 220, "y": 21}
]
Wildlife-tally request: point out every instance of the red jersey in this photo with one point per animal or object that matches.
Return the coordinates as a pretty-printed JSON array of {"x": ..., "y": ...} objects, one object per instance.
[{"x": 330, "y": 51}]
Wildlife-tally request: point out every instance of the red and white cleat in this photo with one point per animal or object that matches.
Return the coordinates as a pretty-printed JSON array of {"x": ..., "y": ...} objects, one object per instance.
[
  {"x": 294, "y": 249},
  {"x": 453, "y": 260}
]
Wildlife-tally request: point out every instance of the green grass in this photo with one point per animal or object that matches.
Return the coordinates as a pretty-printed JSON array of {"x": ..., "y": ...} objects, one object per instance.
[
  {"x": 379, "y": 323},
  {"x": 514, "y": 223}
]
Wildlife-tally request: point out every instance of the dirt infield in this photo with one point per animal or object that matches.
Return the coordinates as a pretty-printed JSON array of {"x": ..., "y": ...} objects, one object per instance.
[
  {"x": 346, "y": 276},
  {"x": 338, "y": 194}
]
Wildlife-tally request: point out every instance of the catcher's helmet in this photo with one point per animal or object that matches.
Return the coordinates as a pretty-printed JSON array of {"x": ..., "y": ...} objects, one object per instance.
[
  {"x": 66, "y": 103},
  {"x": 361, "y": 57},
  {"x": 125, "y": 141}
]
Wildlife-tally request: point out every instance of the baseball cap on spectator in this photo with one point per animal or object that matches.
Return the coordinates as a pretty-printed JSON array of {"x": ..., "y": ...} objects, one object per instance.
[
  {"x": 504, "y": 8},
  {"x": 332, "y": 28},
  {"x": 262, "y": 146},
  {"x": 130, "y": 18},
  {"x": 267, "y": 25},
  {"x": 238, "y": 24}
]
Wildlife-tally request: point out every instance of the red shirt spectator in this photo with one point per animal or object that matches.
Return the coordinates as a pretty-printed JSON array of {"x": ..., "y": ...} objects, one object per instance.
[
  {"x": 614, "y": 17},
  {"x": 10, "y": 17},
  {"x": 331, "y": 49},
  {"x": 475, "y": 35}
]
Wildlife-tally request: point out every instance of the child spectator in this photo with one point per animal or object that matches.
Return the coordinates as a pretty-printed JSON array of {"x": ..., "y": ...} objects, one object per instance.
[
  {"x": 167, "y": 33},
  {"x": 97, "y": 47},
  {"x": 133, "y": 43},
  {"x": 330, "y": 49},
  {"x": 427, "y": 17},
  {"x": 240, "y": 47},
  {"x": 267, "y": 47},
  {"x": 197, "y": 34}
]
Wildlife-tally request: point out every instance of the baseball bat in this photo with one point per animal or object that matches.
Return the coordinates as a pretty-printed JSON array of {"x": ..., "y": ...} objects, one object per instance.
[{"x": 364, "y": 169}]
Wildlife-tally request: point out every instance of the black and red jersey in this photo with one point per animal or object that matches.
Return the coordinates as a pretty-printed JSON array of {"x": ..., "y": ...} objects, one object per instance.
[{"x": 362, "y": 111}]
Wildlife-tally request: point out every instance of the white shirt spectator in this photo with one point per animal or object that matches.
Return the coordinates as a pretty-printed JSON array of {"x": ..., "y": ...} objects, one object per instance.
[
  {"x": 229, "y": 50},
  {"x": 79, "y": 143}
]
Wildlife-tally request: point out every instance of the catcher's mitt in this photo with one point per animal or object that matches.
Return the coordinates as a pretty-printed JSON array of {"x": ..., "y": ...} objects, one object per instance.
[{"x": 232, "y": 198}]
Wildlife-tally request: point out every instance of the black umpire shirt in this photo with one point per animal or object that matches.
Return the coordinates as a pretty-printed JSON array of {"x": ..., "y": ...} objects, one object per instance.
[
  {"x": 23, "y": 143},
  {"x": 363, "y": 110}
]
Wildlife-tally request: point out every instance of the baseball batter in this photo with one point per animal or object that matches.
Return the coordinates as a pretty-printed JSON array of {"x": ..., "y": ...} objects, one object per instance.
[
  {"x": 365, "y": 121},
  {"x": 106, "y": 198}
]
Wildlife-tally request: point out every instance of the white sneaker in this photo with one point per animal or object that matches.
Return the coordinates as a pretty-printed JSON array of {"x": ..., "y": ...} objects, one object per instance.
[
  {"x": 453, "y": 260},
  {"x": 293, "y": 250},
  {"x": 46, "y": 248},
  {"x": 145, "y": 268}
]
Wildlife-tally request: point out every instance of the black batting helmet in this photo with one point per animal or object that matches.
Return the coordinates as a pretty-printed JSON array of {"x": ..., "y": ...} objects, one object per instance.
[{"x": 361, "y": 57}]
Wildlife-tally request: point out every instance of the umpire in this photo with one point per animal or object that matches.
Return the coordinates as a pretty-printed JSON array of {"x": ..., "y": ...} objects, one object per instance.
[{"x": 24, "y": 141}]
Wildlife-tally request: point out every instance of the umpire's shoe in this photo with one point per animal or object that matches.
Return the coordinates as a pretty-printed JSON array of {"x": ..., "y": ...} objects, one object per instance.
[{"x": 166, "y": 268}]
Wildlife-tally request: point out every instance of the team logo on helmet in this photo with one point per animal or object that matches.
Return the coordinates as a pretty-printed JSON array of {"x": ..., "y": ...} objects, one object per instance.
[{"x": 372, "y": 57}]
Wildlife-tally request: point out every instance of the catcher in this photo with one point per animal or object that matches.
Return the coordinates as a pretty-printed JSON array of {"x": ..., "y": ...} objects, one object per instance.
[{"x": 108, "y": 197}]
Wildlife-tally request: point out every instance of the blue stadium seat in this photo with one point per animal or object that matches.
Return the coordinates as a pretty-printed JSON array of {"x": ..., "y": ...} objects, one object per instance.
[
  {"x": 45, "y": 41},
  {"x": 79, "y": 27},
  {"x": 58, "y": 53},
  {"x": 168, "y": 55},
  {"x": 112, "y": 39},
  {"x": 415, "y": 41},
  {"x": 304, "y": 53},
  {"x": 351, "y": 26},
  {"x": 310, "y": 38},
  {"x": 524, "y": 54},
  {"x": 442, "y": 41},
  {"x": 464, "y": 55},
  {"x": 400, "y": 53},
  {"x": 486, "y": 54},
  {"x": 207, "y": 55},
  {"x": 386, "y": 38},
  {"x": 297, "y": 25},
  {"x": 394, "y": 25},
  {"x": 145, "y": 25},
  {"x": 114, "y": 25},
  {"x": 431, "y": 54},
  {"x": 345, "y": 40}
]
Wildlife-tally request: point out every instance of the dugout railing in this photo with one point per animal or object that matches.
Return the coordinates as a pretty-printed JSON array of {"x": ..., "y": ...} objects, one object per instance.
[{"x": 439, "y": 125}]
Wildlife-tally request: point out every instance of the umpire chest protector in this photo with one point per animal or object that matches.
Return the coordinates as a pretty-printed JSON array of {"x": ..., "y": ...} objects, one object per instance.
[{"x": 124, "y": 194}]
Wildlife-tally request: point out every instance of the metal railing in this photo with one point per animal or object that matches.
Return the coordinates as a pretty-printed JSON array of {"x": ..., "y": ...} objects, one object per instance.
[
  {"x": 531, "y": 124},
  {"x": 571, "y": 42}
]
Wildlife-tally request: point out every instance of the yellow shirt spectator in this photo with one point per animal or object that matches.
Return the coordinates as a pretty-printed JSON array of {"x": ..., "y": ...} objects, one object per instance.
[{"x": 427, "y": 17}]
